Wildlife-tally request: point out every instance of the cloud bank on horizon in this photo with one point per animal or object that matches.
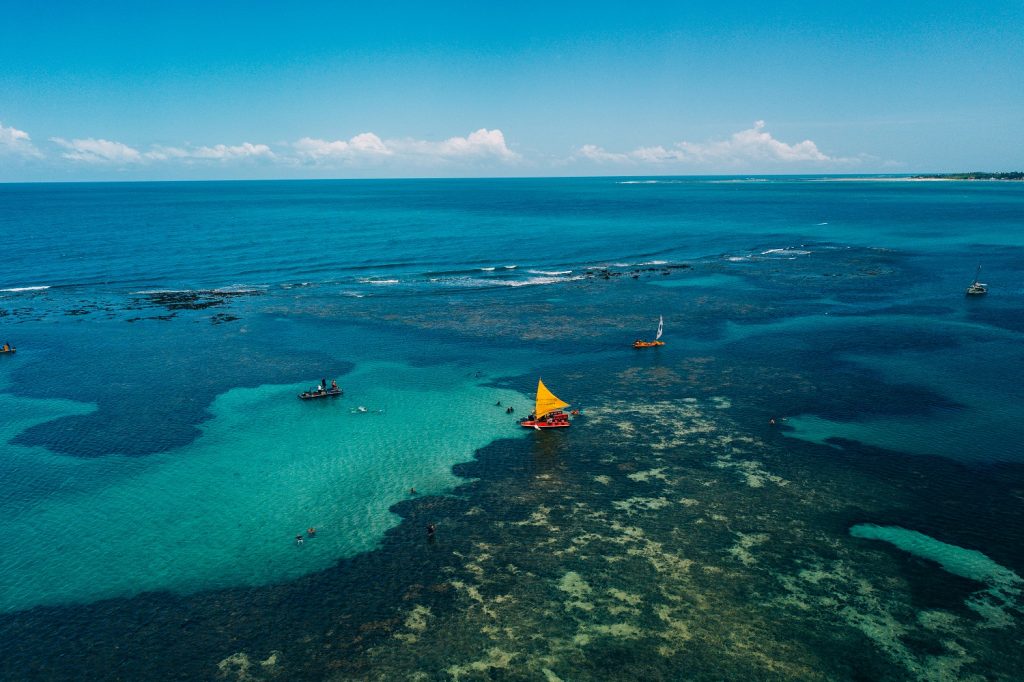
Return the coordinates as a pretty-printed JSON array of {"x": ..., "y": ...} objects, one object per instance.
[
  {"x": 483, "y": 151},
  {"x": 742, "y": 149}
]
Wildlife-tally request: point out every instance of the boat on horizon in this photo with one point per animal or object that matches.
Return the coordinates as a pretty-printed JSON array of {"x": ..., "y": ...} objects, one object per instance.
[
  {"x": 977, "y": 288},
  {"x": 547, "y": 411},
  {"x": 657, "y": 339}
]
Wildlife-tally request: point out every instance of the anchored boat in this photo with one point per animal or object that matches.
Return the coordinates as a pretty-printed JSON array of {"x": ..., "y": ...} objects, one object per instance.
[
  {"x": 547, "y": 411},
  {"x": 312, "y": 395},
  {"x": 657, "y": 339},
  {"x": 977, "y": 288}
]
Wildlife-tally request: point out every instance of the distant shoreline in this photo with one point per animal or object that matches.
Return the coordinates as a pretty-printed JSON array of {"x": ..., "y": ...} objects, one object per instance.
[{"x": 1016, "y": 175}]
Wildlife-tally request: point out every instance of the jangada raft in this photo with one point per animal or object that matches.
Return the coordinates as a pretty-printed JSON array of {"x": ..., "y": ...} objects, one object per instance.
[
  {"x": 313, "y": 395},
  {"x": 657, "y": 339},
  {"x": 547, "y": 411}
]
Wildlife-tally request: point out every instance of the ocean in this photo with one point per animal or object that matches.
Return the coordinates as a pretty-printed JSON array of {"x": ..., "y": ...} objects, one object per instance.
[{"x": 819, "y": 475}]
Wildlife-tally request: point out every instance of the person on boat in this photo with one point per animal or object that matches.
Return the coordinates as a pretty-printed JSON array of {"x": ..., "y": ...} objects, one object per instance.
[
  {"x": 7, "y": 347},
  {"x": 334, "y": 384}
]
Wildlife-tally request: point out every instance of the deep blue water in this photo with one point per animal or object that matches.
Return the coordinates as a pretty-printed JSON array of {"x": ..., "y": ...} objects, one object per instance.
[
  {"x": 117, "y": 238},
  {"x": 164, "y": 328}
]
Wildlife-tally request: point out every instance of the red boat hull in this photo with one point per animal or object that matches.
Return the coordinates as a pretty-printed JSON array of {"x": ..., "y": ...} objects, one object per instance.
[
  {"x": 555, "y": 420},
  {"x": 544, "y": 425}
]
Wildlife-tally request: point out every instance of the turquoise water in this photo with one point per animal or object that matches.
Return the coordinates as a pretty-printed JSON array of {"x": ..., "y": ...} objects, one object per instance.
[
  {"x": 979, "y": 384},
  {"x": 157, "y": 464},
  {"x": 957, "y": 560},
  {"x": 223, "y": 510},
  {"x": 999, "y": 592}
]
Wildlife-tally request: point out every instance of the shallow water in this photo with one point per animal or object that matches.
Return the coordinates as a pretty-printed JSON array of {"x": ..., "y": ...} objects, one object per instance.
[
  {"x": 223, "y": 510},
  {"x": 157, "y": 465}
]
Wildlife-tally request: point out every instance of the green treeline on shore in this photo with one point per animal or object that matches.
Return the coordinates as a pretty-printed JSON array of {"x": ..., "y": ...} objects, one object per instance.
[{"x": 1015, "y": 175}]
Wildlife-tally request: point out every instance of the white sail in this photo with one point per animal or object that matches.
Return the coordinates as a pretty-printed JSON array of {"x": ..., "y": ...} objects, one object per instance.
[{"x": 661, "y": 327}]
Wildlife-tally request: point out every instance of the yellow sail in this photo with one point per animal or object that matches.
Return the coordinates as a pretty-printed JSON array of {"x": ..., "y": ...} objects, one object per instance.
[{"x": 546, "y": 401}]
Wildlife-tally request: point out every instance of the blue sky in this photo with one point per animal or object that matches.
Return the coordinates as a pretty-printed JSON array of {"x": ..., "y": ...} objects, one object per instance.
[{"x": 193, "y": 90}]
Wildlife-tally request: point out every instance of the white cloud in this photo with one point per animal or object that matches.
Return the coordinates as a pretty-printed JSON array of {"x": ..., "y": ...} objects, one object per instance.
[
  {"x": 364, "y": 145},
  {"x": 595, "y": 153},
  {"x": 99, "y": 151},
  {"x": 219, "y": 152},
  {"x": 17, "y": 142},
  {"x": 479, "y": 145},
  {"x": 91, "y": 150},
  {"x": 744, "y": 148},
  {"x": 162, "y": 153}
]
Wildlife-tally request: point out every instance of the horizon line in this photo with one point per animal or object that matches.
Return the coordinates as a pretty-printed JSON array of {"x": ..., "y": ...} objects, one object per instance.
[{"x": 505, "y": 177}]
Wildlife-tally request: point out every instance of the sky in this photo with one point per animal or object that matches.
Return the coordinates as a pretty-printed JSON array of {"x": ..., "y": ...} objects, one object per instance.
[{"x": 232, "y": 90}]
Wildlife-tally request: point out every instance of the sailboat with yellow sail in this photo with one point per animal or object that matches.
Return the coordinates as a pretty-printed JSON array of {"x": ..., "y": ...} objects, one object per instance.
[{"x": 547, "y": 411}]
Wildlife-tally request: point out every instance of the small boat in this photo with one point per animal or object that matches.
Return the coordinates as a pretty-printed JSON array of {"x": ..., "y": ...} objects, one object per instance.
[
  {"x": 657, "y": 339},
  {"x": 977, "y": 288},
  {"x": 313, "y": 395},
  {"x": 547, "y": 411},
  {"x": 6, "y": 348}
]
